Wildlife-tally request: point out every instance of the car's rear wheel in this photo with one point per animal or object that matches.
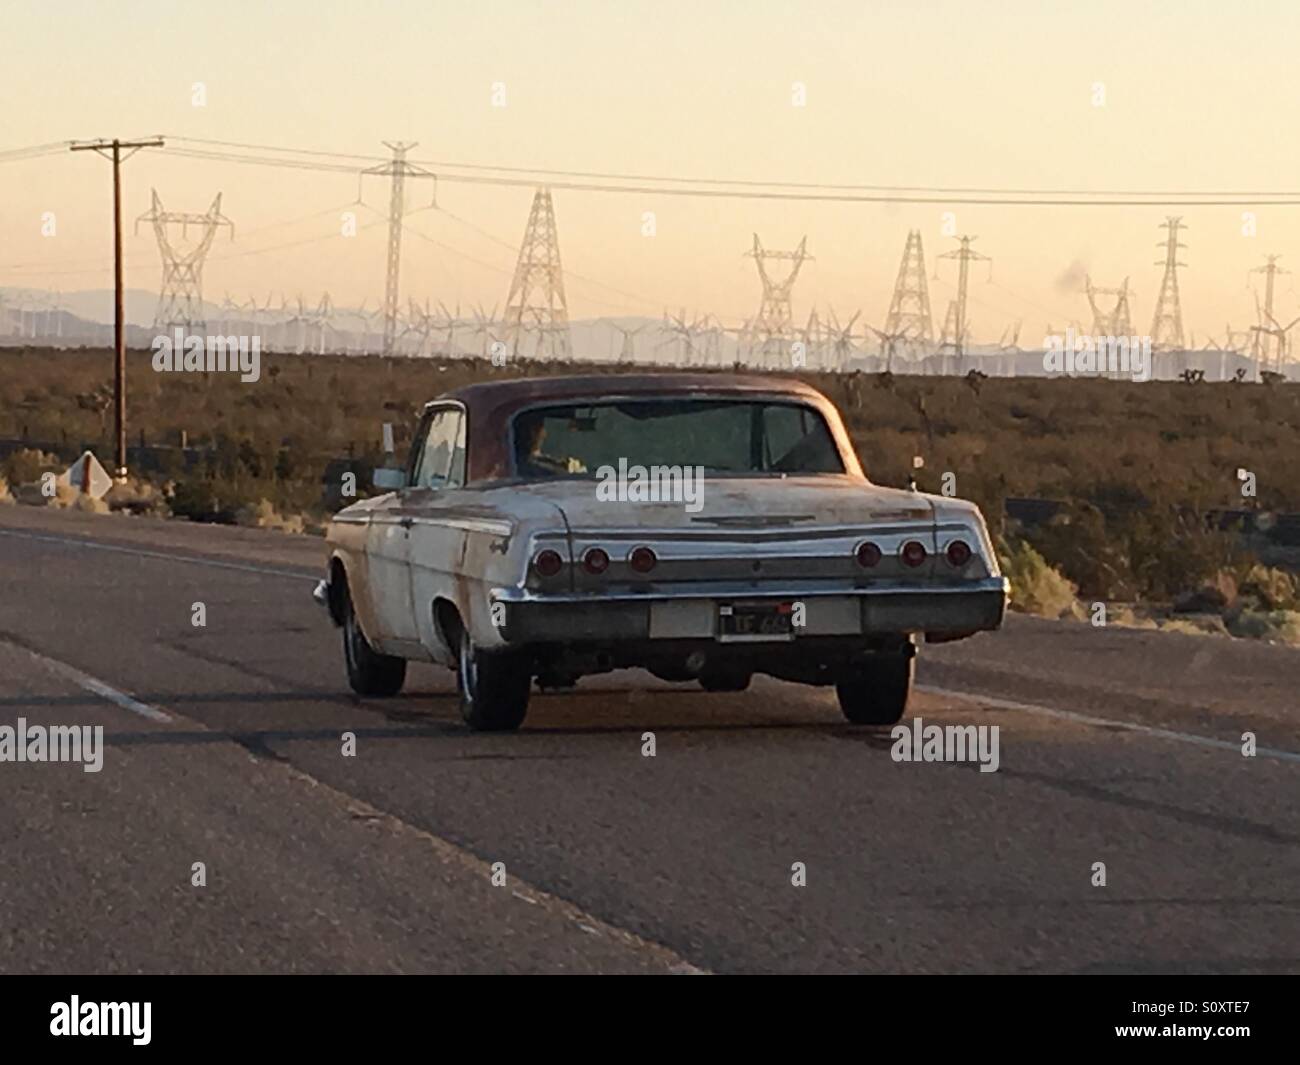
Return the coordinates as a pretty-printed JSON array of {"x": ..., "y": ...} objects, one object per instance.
[
  {"x": 369, "y": 672},
  {"x": 877, "y": 693},
  {"x": 494, "y": 687}
]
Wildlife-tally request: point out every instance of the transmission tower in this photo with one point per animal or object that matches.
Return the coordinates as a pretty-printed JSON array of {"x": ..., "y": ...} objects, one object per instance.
[
  {"x": 399, "y": 170},
  {"x": 627, "y": 353},
  {"x": 1266, "y": 331},
  {"x": 957, "y": 311},
  {"x": 1116, "y": 322},
  {"x": 773, "y": 327},
  {"x": 180, "y": 301},
  {"x": 536, "y": 301},
  {"x": 949, "y": 333},
  {"x": 1167, "y": 326},
  {"x": 909, "y": 311}
]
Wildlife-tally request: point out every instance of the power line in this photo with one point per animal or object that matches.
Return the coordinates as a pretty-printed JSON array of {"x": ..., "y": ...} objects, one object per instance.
[
  {"x": 273, "y": 148},
  {"x": 35, "y": 151},
  {"x": 996, "y": 198},
  {"x": 750, "y": 183}
]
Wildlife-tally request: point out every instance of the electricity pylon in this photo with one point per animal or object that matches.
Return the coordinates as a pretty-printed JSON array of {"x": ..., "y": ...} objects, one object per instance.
[
  {"x": 627, "y": 353},
  {"x": 1116, "y": 322},
  {"x": 683, "y": 333},
  {"x": 399, "y": 170},
  {"x": 536, "y": 303},
  {"x": 964, "y": 256},
  {"x": 773, "y": 327},
  {"x": 180, "y": 301},
  {"x": 1265, "y": 333},
  {"x": 909, "y": 310},
  {"x": 1167, "y": 325}
]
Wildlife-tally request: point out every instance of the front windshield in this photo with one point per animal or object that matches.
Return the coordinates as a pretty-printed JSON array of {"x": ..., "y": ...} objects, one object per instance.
[{"x": 722, "y": 436}]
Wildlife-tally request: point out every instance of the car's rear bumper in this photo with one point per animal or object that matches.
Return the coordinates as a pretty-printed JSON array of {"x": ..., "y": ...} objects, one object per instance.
[{"x": 692, "y": 612}]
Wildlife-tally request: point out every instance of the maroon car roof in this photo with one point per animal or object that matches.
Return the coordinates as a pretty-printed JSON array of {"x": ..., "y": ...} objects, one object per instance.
[{"x": 492, "y": 404}]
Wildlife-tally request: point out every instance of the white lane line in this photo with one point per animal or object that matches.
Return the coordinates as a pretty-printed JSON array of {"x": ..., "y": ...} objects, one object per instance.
[
  {"x": 555, "y": 904},
  {"x": 92, "y": 684},
  {"x": 1128, "y": 726},
  {"x": 78, "y": 542}
]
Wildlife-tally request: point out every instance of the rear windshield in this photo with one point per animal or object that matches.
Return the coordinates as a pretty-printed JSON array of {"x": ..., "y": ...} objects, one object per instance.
[{"x": 723, "y": 436}]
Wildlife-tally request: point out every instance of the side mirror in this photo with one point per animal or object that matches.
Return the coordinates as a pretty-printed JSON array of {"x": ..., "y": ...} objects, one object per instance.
[{"x": 388, "y": 479}]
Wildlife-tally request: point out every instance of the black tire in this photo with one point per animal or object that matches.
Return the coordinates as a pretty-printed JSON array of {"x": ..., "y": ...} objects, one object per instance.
[
  {"x": 725, "y": 680},
  {"x": 876, "y": 694},
  {"x": 494, "y": 688},
  {"x": 369, "y": 672}
]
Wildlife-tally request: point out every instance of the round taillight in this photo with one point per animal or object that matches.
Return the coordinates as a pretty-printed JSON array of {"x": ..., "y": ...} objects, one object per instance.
[
  {"x": 548, "y": 563},
  {"x": 642, "y": 559},
  {"x": 958, "y": 553},
  {"x": 595, "y": 560},
  {"x": 913, "y": 553},
  {"x": 868, "y": 555}
]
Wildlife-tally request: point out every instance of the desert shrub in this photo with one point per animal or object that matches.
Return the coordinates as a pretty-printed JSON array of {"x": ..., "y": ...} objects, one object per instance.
[
  {"x": 138, "y": 497},
  {"x": 27, "y": 464},
  {"x": 210, "y": 499},
  {"x": 1206, "y": 625},
  {"x": 1273, "y": 589},
  {"x": 1088, "y": 554},
  {"x": 1036, "y": 588},
  {"x": 263, "y": 515},
  {"x": 1173, "y": 550},
  {"x": 1281, "y": 626}
]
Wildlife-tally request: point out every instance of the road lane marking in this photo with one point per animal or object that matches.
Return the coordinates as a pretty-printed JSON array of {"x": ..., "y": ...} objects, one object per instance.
[
  {"x": 586, "y": 922},
  {"x": 93, "y": 684},
  {"x": 1128, "y": 726},
  {"x": 77, "y": 541}
]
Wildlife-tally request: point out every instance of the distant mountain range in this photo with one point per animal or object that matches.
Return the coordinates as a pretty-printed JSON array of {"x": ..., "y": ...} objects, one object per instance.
[{"x": 85, "y": 319}]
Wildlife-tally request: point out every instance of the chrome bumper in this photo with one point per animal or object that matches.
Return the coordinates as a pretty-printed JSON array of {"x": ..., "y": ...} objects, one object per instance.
[{"x": 690, "y": 612}]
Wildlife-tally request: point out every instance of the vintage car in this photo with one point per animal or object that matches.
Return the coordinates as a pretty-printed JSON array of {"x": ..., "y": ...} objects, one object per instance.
[{"x": 704, "y": 527}]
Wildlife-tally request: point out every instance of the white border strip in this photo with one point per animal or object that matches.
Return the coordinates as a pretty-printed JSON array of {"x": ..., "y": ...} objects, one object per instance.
[{"x": 1128, "y": 726}]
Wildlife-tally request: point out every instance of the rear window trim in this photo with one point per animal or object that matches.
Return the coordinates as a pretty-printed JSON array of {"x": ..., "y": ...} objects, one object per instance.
[{"x": 783, "y": 399}]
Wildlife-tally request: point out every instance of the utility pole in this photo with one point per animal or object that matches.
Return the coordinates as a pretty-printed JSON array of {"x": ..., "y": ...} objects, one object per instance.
[
  {"x": 399, "y": 170},
  {"x": 113, "y": 150}
]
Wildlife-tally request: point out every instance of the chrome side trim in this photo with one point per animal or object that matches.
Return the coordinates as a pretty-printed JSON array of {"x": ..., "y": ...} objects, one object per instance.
[{"x": 483, "y": 525}]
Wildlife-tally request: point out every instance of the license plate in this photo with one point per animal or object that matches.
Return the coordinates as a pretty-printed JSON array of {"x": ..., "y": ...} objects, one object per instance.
[{"x": 738, "y": 622}]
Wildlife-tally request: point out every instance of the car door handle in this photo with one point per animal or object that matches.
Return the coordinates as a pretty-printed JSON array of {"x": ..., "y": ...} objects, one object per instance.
[{"x": 406, "y": 523}]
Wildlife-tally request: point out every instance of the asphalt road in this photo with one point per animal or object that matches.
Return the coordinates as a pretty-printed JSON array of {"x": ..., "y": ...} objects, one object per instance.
[{"x": 224, "y": 746}]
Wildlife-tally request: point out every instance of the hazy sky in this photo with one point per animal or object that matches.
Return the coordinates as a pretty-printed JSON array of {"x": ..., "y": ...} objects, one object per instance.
[{"x": 1198, "y": 96}]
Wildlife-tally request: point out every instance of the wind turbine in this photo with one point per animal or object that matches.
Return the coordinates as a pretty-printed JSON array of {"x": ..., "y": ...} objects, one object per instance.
[
  {"x": 842, "y": 339},
  {"x": 888, "y": 344}
]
